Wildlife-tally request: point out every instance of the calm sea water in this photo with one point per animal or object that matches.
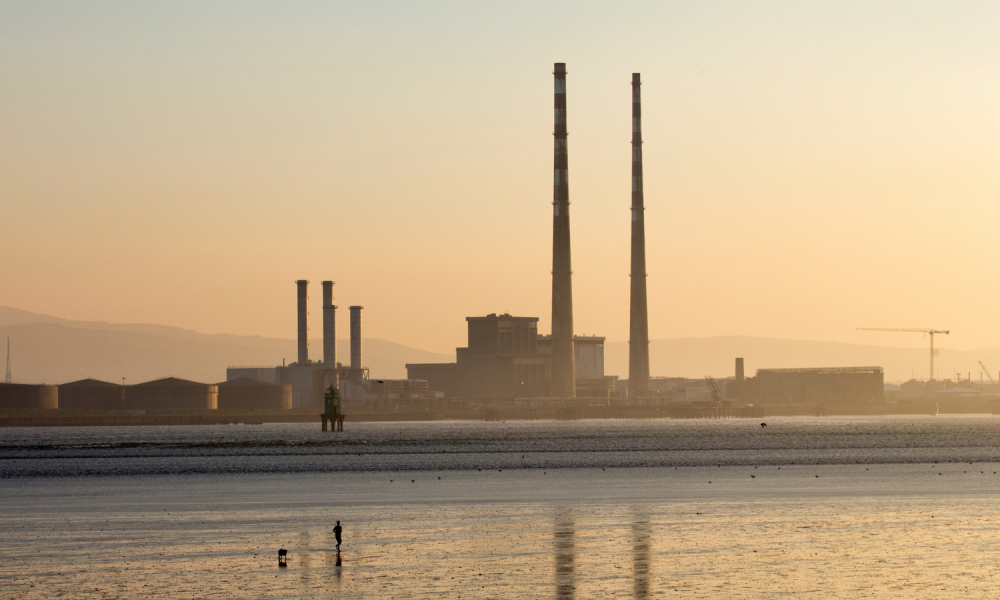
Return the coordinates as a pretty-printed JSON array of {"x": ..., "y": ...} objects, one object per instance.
[{"x": 808, "y": 507}]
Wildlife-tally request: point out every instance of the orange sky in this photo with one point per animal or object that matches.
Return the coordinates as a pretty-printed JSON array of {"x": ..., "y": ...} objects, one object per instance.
[{"x": 809, "y": 167}]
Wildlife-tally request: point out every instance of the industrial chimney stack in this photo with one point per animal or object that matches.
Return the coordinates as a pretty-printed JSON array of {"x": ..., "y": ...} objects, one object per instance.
[
  {"x": 303, "y": 287},
  {"x": 563, "y": 359},
  {"x": 638, "y": 345},
  {"x": 356, "y": 337},
  {"x": 329, "y": 327}
]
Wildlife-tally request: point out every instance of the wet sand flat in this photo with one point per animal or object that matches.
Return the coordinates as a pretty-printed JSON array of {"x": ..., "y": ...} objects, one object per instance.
[{"x": 886, "y": 530}]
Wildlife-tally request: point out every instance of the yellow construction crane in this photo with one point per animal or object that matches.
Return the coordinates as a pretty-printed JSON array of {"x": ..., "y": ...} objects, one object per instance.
[
  {"x": 929, "y": 332},
  {"x": 987, "y": 371}
]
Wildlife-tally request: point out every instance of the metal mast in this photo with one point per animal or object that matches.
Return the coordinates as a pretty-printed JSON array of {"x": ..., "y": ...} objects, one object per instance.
[
  {"x": 7, "y": 379},
  {"x": 563, "y": 356},
  {"x": 638, "y": 345},
  {"x": 929, "y": 332}
]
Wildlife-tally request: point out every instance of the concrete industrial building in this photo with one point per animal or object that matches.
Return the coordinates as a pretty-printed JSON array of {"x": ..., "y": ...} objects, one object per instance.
[
  {"x": 832, "y": 386},
  {"x": 23, "y": 395},
  {"x": 252, "y": 394},
  {"x": 92, "y": 394},
  {"x": 588, "y": 364},
  {"x": 506, "y": 358}
]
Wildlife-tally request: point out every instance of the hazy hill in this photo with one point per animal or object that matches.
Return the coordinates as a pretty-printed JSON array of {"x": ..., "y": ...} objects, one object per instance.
[{"x": 52, "y": 350}]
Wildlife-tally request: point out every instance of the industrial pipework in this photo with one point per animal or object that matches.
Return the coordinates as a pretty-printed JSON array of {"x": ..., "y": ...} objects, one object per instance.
[
  {"x": 563, "y": 359},
  {"x": 356, "y": 337},
  {"x": 303, "y": 288},
  {"x": 638, "y": 345},
  {"x": 329, "y": 327}
]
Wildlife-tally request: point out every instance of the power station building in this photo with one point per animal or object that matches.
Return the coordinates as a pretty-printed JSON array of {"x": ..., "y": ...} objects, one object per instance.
[
  {"x": 309, "y": 380},
  {"x": 506, "y": 358}
]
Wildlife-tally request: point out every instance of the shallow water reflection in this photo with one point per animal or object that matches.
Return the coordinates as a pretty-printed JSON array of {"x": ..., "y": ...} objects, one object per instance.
[
  {"x": 640, "y": 554},
  {"x": 565, "y": 554}
]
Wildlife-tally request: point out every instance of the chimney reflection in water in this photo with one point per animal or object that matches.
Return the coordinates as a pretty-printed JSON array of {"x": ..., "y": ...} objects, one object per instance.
[
  {"x": 565, "y": 553},
  {"x": 640, "y": 556}
]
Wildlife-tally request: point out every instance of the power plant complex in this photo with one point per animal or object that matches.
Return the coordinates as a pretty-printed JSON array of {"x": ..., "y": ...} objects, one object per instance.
[{"x": 505, "y": 358}]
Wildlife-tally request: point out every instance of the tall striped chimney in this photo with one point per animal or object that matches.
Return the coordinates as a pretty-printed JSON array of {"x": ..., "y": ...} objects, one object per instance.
[
  {"x": 563, "y": 360},
  {"x": 638, "y": 344},
  {"x": 329, "y": 327},
  {"x": 303, "y": 287}
]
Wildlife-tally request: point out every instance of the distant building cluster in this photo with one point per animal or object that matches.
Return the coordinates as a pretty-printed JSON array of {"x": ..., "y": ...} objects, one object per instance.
[{"x": 309, "y": 380}]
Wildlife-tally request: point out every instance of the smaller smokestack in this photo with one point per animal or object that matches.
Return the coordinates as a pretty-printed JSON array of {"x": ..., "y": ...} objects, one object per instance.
[
  {"x": 739, "y": 370},
  {"x": 356, "y": 337},
  {"x": 303, "y": 287},
  {"x": 329, "y": 327}
]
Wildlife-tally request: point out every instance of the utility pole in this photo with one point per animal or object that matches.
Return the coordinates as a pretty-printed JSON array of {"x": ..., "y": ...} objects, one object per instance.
[{"x": 7, "y": 379}]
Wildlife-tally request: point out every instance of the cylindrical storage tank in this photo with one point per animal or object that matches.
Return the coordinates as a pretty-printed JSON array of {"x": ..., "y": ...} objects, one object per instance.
[
  {"x": 92, "y": 394},
  {"x": 24, "y": 395},
  {"x": 253, "y": 394},
  {"x": 171, "y": 394}
]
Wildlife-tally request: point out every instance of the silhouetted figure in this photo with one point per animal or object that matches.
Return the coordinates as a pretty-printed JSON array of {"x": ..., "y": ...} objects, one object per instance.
[
  {"x": 336, "y": 532},
  {"x": 282, "y": 557}
]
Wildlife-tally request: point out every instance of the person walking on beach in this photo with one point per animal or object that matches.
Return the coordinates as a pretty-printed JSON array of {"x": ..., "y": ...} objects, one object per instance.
[{"x": 336, "y": 532}]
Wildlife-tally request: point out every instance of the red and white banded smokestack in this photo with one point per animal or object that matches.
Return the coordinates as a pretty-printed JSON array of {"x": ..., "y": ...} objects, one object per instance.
[
  {"x": 563, "y": 361},
  {"x": 638, "y": 344}
]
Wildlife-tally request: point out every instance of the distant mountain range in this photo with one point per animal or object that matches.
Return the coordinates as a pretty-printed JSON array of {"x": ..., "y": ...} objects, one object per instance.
[
  {"x": 46, "y": 349},
  {"x": 53, "y": 350}
]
